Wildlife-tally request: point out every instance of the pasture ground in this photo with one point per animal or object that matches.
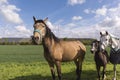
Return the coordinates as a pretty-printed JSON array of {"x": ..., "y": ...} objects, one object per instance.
[{"x": 27, "y": 63}]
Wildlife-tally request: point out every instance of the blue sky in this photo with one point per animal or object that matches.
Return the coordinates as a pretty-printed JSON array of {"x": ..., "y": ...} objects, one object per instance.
[{"x": 67, "y": 18}]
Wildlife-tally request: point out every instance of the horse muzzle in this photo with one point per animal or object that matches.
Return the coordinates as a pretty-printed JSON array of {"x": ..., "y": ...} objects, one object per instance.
[
  {"x": 36, "y": 40},
  {"x": 92, "y": 51}
]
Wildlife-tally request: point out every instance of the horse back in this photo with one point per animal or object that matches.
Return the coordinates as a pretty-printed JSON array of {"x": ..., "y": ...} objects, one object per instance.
[{"x": 73, "y": 45}]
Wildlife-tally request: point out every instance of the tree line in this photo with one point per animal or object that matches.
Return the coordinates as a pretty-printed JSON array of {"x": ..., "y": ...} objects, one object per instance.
[{"x": 86, "y": 41}]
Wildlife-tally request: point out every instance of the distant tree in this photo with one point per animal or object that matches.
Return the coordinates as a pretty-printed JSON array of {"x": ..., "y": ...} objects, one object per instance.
[{"x": 65, "y": 39}]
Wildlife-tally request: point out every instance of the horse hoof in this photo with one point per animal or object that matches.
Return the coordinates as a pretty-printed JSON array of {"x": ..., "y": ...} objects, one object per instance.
[
  {"x": 114, "y": 79},
  {"x": 104, "y": 77}
]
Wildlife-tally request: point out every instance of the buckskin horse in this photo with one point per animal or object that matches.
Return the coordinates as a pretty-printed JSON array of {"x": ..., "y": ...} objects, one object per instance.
[{"x": 57, "y": 50}]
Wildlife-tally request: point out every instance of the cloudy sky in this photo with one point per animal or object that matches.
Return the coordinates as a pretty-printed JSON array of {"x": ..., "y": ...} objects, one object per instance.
[{"x": 67, "y": 18}]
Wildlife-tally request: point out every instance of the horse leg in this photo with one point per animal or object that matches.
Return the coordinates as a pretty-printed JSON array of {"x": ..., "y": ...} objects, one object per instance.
[
  {"x": 98, "y": 71},
  {"x": 104, "y": 72},
  {"x": 78, "y": 68},
  {"x": 52, "y": 70},
  {"x": 114, "y": 68},
  {"x": 58, "y": 66}
]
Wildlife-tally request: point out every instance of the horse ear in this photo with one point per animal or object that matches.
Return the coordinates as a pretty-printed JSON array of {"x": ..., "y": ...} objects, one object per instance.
[
  {"x": 34, "y": 19},
  {"x": 101, "y": 33},
  {"x": 98, "y": 41},
  {"x": 45, "y": 20},
  {"x": 106, "y": 33}
]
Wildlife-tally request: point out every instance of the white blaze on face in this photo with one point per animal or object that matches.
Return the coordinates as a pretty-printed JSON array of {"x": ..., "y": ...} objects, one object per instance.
[
  {"x": 102, "y": 47},
  {"x": 105, "y": 40},
  {"x": 93, "y": 47}
]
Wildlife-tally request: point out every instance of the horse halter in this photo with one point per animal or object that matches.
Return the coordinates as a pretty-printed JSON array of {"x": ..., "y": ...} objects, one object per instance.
[
  {"x": 37, "y": 30},
  {"x": 40, "y": 33}
]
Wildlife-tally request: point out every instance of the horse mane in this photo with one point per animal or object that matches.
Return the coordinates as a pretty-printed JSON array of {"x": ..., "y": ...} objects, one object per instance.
[
  {"x": 49, "y": 33},
  {"x": 113, "y": 36},
  {"x": 37, "y": 21}
]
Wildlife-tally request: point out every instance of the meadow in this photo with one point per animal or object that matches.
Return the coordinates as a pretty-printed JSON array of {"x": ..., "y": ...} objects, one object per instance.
[{"x": 26, "y": 62}]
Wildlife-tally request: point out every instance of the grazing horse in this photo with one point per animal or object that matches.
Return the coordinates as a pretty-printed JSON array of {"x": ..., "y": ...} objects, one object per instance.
[
  {"x": 56, "y": 50},
  {"x": 107, "y": 39},
  {"x": 101, "y": 58}
]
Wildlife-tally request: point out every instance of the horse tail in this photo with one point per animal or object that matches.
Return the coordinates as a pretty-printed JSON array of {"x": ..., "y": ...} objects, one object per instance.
[
  {"x": 83, "y": 50},
  {"x": 82, "y": 46}
]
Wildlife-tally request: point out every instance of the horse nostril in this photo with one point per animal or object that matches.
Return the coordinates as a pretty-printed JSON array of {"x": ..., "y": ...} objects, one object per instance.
[
  {"x": 91, "y": 51},
  {"x": 36, "y": 38},
  {"x": 32, "y": 37}
]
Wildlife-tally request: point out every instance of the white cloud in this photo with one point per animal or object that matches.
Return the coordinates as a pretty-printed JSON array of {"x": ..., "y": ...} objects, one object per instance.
[
  {"x": 108, "y": 18},
  {"x": 73, "y": 30},
  {"x": 109, "y": 21},
  {"x": 13, "y": 24},
  {"x": 71, "y": 25},
  {"x": 79, "y": 32},
  {"x": 87, "y": 11},
  {"x": 112, "y": 17},
  {"x": 9, "y": 12},
  {"x": 102, "y": 11},
  {"x": 50, "y": 25},
  {"x": 17, "y": 31},
  {"x": 3, "y": 1},
  {"x": 76, "y": 18},
  {"x": 22, "y": 29},
  {"x": 74, "y": 2}
]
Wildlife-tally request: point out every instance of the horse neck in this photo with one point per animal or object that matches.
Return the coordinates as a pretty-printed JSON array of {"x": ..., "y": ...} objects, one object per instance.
[
  {"x": 115, "y": 43},
  {"x": 50, "y": 40},
  {"x": 98, "y": 52},
  {"x": 98, "y": 49}
]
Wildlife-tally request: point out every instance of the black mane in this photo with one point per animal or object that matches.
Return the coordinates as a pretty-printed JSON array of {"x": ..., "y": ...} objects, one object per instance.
[
  {"x": 39, "y": 21},
  {"x": 50, "y": 34}
]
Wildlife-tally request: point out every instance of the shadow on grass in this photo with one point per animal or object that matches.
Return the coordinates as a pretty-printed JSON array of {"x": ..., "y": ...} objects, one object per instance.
[{"x": 86, "y": 75}]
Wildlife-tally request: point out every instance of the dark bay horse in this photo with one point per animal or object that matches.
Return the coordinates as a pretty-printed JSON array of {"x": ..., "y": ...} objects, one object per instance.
[
  {"x": 101, "y": 58},
  {"x": 56, "y": 50}
]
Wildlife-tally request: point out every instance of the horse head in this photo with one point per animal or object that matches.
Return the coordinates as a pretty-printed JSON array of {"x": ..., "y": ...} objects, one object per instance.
[
  {"x": 39, "y": 30},
  {"x": 105, "y": 40},
  {"x": 94, "y": 46}
]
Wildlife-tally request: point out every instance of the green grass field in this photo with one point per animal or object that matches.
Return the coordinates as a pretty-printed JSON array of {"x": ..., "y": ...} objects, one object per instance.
[{"x": 27, "y": 63}]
